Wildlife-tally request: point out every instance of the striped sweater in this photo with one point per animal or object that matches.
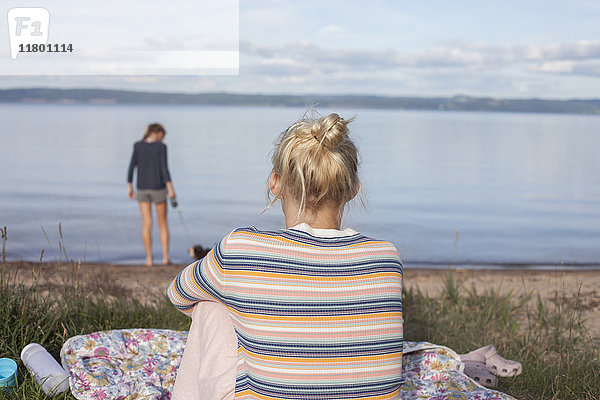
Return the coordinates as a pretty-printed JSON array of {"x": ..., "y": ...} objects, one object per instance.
[{"x": 316, "y": 317}]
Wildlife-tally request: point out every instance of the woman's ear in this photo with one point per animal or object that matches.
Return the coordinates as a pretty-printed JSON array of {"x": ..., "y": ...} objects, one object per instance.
[{"x": 275, "y": 184}]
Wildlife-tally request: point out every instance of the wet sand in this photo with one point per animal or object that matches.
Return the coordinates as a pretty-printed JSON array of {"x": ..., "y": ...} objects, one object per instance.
[{"x": 151, "y": 282}]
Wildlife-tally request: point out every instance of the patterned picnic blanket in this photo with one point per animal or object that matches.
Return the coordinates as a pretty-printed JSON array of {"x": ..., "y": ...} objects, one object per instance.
[{"x": 132, "y": 364}]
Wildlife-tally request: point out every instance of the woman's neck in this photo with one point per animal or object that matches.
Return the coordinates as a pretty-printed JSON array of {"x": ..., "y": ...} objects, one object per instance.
[
  {"x": 325, "y": 217},
  {"x": 316, "y": 223}
]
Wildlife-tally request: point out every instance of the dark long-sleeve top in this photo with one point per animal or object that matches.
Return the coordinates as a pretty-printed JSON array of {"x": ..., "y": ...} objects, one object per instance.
[{"x": 151, "y": 162}]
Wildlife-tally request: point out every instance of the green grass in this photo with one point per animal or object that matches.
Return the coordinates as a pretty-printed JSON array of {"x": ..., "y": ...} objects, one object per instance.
[
  {"x": 49, "y": 313},
  {"x": 559, "y": 360},
  {"x": 27, "y": 315}
]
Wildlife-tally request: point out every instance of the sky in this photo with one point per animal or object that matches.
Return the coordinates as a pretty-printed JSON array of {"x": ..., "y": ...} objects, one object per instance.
[{"x": 509, "y": 49}]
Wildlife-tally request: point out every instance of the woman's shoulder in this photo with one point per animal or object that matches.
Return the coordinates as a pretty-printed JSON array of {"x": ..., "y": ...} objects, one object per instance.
[
  {"x": 253, "y": 234},
  {"x": 149, "y": 144},
  {"x": 236, "y": 238},
  {"x": 304, "y": 236},
  {"x": 351, "y": 245},
  {"x": 250, "y": 232}
]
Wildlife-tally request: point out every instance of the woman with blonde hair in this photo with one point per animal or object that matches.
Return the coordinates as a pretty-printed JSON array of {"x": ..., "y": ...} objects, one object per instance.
[
  {"x": 311, "y": 311},
  {"x": 153, "y": 186}
]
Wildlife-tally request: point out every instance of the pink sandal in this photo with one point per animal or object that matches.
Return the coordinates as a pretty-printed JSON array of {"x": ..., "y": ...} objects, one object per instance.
[
  {"x": 475, "y": 369},
  {"x": 494, "y": 363}
]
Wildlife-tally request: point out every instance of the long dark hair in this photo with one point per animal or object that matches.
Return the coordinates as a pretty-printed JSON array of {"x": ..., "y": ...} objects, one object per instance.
[{"x": 154, "y": 128}]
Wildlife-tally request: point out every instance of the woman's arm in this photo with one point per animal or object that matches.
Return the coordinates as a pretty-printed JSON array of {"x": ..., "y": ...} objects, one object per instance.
[
  {"x": 132, "y": 165},
  {"x": 130, "y": 190},
  {"x": 164, "y": 171},
  {"x": 199, "y": 281},
  {"x": 171, "y": 190}
]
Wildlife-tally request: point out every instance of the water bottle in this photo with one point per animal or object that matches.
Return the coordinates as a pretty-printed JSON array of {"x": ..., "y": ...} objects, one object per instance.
[{"x": 47, "y": 372}]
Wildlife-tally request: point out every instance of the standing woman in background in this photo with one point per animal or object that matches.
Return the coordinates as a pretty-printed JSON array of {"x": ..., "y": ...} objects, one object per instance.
[{"x": 153, "y": 184}]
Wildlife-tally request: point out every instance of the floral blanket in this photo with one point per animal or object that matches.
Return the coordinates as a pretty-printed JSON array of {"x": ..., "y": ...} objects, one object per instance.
[
  {"x": 133, "y": 364},
  {"x": 435, "y": 372},
  {"x": 123, "y": 364}
]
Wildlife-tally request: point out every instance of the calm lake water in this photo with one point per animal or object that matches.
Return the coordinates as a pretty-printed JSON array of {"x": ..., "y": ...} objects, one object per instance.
[{"x": 447, "y": 188}]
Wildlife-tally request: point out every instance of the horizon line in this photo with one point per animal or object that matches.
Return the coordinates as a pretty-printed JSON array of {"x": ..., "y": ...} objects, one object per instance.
[{"x": 382, "y": 96}]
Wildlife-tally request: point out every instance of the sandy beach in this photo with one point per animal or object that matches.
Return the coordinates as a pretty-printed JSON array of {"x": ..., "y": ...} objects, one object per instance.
[{"x": 151, "y": 282}]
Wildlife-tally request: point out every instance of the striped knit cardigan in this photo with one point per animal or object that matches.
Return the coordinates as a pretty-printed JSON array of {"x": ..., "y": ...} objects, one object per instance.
[{"x": 316, "y": 317}]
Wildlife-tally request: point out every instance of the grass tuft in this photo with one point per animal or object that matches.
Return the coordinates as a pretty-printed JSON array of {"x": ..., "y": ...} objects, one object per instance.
[{"x": 560, "y": 360}]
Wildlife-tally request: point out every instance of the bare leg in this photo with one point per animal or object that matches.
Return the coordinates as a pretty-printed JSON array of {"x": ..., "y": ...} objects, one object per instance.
[
  {"x": 163, "y": 227},
  {"x": 209, "y": 364},
  {"x": 146, "y": 210}
]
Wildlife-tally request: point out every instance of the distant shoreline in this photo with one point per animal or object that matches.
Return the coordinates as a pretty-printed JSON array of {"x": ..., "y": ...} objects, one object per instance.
[{"x": 454, "y": 103}]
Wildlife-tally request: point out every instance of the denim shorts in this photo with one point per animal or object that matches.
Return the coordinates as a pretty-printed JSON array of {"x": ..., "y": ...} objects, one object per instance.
[{"x": 152, "y": 195}]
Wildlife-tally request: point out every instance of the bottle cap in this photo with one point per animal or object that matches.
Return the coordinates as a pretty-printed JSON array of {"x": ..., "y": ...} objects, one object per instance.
[{"x": 29, "y": 350}]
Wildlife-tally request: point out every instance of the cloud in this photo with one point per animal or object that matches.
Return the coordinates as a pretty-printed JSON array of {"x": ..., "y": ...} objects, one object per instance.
[
  {"x": 444, "y": 69},
  {"x": 569, "y": 67},
  {"x": 456, "y": 56},
  {"x": 558, "y": 67},
  {"x": 310, "y": 58},
  {"x": 278, "y": 67},
  {"x": 331, "y": 29},
  {"x": 580, "y": 50}
]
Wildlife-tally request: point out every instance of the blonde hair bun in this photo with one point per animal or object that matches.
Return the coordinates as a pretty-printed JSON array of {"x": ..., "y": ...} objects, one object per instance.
[
  {"x": 329, "y": 131},
  {"x": 317, "y": 162}
]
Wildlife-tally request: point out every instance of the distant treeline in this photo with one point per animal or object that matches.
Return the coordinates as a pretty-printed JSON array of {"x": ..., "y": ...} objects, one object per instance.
[{"x": 458, "y": 103}]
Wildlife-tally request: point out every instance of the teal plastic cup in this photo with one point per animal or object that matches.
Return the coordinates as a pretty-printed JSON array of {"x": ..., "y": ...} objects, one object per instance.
[{"x": 8, "y": 374}]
